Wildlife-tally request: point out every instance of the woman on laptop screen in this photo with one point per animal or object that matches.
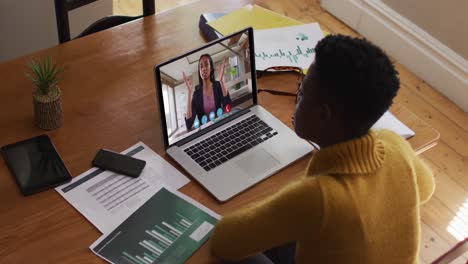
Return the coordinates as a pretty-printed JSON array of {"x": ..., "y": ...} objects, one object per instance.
[{"x": 210, "y": 98}]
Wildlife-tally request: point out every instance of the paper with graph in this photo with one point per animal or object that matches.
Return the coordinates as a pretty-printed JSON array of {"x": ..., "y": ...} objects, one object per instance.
[
  {"x": 168, "y": 228},
  {"x": 107, "y": 198},
  {"x": 286, "y": 46}
]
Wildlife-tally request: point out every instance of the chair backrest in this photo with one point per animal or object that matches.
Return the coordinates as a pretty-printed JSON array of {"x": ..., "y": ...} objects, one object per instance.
[{"x": 62, "y": 7}]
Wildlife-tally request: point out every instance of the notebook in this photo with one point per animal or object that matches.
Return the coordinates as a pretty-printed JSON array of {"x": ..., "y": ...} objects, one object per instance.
[{"x": 251, "y": 16}]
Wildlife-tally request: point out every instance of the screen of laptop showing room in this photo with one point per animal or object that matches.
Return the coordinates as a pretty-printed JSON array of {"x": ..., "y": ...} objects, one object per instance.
[{"x": 206, "y": 86}]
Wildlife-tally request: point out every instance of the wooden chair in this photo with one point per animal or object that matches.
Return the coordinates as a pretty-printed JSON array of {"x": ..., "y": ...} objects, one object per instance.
[
  {"x": 457, "y": 251},
  {"x": 62, "y": 7}
]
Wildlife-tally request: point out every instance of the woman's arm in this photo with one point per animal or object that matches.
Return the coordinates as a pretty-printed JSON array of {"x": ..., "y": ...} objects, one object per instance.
[
  {"x": 225, "y": 98},
  {"x": 221, "y": 78},
  {"x": 424, "y": 180},
  {"x": 292, "y": 214},
  {"x": 221, "y": 100}
]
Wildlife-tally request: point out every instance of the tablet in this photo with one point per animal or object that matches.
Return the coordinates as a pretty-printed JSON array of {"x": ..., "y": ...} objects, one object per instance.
[{"x": 35, "y": 164}]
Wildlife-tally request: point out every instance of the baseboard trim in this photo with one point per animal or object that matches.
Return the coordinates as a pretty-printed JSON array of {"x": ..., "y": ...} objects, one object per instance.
[{"x": 411, "y": 46}]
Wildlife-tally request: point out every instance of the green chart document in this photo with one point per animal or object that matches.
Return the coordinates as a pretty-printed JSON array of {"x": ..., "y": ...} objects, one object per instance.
[{"x": 168, "y": 228}]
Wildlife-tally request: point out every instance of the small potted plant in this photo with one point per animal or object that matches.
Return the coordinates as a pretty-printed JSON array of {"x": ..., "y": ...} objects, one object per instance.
[{"x": 45, "y": 77}]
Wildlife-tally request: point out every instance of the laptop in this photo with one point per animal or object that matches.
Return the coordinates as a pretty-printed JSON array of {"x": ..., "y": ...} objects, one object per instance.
[{"x": 214, "y": 128}]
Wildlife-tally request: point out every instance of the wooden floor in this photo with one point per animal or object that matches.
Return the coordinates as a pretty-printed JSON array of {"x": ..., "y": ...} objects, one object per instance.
[
  {"x": 134, "y": 7},
  {"x": 448, "y": 160}
]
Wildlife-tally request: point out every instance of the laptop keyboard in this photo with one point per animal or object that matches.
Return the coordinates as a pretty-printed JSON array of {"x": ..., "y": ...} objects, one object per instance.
[{"x": 230, "y": 142}]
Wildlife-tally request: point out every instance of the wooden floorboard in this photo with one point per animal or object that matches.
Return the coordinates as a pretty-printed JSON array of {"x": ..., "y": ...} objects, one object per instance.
[
  {"x": 451, "y": 132},
  {"x": 432, "y": 245},
  {"x": 455, "y": 166},
  {"x": 447, "y": 189},
  {"x": 448, "y": 160},
  {"x": 435, "y": 98}
]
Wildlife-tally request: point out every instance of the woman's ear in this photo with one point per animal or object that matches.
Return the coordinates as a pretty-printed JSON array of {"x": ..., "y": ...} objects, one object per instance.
[{"x": 325, "y": 112}]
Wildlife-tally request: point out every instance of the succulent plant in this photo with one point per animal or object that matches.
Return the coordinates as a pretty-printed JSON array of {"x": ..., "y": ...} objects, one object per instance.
[{"x": 44, "y": 74}]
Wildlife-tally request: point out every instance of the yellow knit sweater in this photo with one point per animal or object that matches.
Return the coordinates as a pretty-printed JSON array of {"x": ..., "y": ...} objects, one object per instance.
[{"x": 358, "y": 203}]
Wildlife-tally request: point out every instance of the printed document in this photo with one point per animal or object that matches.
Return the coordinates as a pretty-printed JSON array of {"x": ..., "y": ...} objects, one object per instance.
[
  {"x": 106, "y": 198},
  {"x": 287, "y": 46},
  {"x": 168, "y": 228}
]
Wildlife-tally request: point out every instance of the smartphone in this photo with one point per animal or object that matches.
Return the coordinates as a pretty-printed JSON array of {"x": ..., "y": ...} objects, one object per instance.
[{"x": 120, "y": 163}]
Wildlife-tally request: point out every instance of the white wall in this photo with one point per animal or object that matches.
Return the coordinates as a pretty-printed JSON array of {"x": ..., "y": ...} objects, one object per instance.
[
  {"x": 445, "y": 20},
  {"x": 29, "y": 25}
]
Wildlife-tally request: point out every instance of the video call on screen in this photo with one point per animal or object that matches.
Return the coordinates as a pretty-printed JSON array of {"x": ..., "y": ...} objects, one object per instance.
[{"x": 217, "y": 83}]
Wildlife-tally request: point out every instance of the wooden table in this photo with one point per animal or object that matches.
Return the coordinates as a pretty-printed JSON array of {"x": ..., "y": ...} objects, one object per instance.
[{"x": 109, "y": 101}]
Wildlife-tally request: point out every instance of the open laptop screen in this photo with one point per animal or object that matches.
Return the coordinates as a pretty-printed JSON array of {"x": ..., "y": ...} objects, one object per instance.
[{"x": 206, "y": 86}]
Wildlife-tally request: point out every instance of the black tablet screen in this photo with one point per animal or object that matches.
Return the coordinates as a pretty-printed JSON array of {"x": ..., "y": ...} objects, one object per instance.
[{"x": 35, "y": 164}]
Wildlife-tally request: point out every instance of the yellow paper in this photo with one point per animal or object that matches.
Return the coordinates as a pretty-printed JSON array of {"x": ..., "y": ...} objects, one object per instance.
[{"x": 251, "y": 15}]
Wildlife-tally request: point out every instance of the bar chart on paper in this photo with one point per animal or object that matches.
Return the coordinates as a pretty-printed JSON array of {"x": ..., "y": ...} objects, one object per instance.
[
  {"x": 163, "y": 236},
  {"x": 166, "y": 229}
]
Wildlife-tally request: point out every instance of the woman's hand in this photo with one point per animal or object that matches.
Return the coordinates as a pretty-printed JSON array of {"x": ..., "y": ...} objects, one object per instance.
[
  {"x": 221, "y": 71},
  {"x": 188, "y": 83},
  {"x": 221, "y": 78}
]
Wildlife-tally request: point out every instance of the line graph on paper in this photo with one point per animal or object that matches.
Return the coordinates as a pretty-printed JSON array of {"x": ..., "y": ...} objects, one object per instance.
[
  {"x": 292, "y": 56},
  {"x": 286, "y": 46}
]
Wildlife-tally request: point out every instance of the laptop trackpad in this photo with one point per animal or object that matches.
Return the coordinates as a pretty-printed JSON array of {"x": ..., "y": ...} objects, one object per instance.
[{"x": 257, "y": 162}]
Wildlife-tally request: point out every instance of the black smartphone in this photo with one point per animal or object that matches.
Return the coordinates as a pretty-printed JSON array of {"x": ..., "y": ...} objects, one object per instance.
[{"x": 120, "y": 163}]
